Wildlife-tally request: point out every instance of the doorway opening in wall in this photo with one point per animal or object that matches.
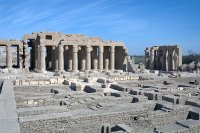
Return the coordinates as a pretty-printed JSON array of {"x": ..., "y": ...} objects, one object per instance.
[
  {"x": 48, "y": 58},
  {"x": 2, "y": 56},
  {"x": 15, "y": 56}
]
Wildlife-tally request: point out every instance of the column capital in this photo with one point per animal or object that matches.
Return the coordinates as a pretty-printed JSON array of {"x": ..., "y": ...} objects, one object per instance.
[
  {"x": 60, "y": 48},
  {"x": 112, "y": 50},
  {"x": 42, "y": 48},
  {"x": 101, "y": 49},
  {"x": 152, "y": 51},
  {"x": 75, "y": 49},
  {"x": 8, "y": 47},
  {"x": 88, "y": 49}
]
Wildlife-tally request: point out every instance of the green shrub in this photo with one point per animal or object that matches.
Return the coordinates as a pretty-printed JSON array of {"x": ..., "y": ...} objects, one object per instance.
[{"x": 191, "y": 57}]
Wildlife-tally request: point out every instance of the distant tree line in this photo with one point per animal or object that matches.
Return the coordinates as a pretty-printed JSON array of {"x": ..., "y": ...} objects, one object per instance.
[
  {"x": 191, "y": 57},
  {"x": 138, "y": 59}
]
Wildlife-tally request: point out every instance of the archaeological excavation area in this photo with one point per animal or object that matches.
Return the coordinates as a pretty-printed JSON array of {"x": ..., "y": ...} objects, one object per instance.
[
  {"x": 108, "y": 104},
  {"x": 51, "y": 82}
]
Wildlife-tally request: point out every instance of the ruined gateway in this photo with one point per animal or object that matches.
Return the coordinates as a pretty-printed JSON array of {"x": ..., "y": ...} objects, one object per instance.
[{"x": 55, "y": 82}]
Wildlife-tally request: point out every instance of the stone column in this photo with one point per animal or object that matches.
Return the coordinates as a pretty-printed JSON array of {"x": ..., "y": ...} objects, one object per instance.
[
  {"x": 179, "y": 52},
  {"x": 26, "y": 57},
  {"x": 112, "y": 58},
  {"x": 146, "y": 58},
  {"x": 95, "y": 60},
  {"x": 8, "y": 57},
  {"x": 66, "y": 49},
  {"x": 60, "y": 58},
  {"x": 56, "y": 58},
  {"x": 18, "y": 60},
  {"x": 38, "y": 57},
  {"x": 42, "y": 59},
  {"x": 101, "y": 58},
  {"x": 172, "y": 60},
  {"x": 75, "y": 58},
  {"x": 83, "y": 60},
  {"x": 152, "y": 59},
  {"x": 106, "y": 64},
  {"x": 166, "y": 60},
  {"x": 53, "y": 58},
  {"x": 88, "y": 58}
]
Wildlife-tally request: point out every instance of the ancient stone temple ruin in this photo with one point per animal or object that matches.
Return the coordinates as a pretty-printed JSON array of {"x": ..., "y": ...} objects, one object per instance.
[
  {"x": 166, "y": 58},
  {"x": 83, "y": 84},
  {"x": 9, "y": 46},
  {"x": 67, "y": 52}
]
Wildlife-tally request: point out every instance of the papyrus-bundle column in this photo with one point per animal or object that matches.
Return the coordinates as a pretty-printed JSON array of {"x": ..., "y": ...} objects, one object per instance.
[
  {"x": 75, "y": 58},
  {"x": 166, "y": 60},
  {"x": 101, "y": 58},
  {"x": 152, "y": 59},
  {"x": 42, "y": 58},
  {"x": 146, "y": 58},
  {"x": 88, "y": 58},
  {"x": 112, "y": 58},
  {"x": 60, "y": 58},
  {"x": 83, "y": 60}
]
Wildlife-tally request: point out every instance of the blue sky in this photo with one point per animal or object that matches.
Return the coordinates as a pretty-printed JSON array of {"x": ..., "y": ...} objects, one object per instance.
[{"x": 138, "y": 23}]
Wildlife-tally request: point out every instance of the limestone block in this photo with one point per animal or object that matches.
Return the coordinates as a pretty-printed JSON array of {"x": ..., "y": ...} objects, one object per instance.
[
  {"x": 16, "y": 82},
  {"x": 47, "y": 82},
  {"x": 191, "y": 66},
  {"x": 101, "y": 80},
  {"x": 89, "y": 80},
  {"x": 25, "y": 83},
  {"x": 66, "y": 82},
  {"x": 52, "y": 81},
  {"x": 184, "y": 67},
  {"x": 59, "y": 81},
  {"x": 79, "y": 87},
  {"x": 33, "y": 82},
  {"x": 41, "y": 82},
  {"x": 139, "y": 98},
  {"x": 30, "y": 102}
]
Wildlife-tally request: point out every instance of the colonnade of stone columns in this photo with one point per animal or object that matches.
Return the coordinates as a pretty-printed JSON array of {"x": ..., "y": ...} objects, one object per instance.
[
  {"x": 92, "y": 58},
  {"x": 9, "y": 56},
  {"x": 9, "y": 60},
  {"x": 165, "y": 58}
]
